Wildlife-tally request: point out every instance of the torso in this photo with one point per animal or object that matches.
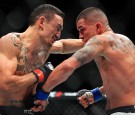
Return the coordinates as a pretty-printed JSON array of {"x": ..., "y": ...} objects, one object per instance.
[
  {"x": 23, "y": 63},
  {"x": 117, "y": 69}
]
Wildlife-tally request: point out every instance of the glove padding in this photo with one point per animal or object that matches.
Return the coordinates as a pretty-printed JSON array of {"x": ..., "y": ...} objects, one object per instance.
[
  {"x": 43, "y": 72},
  {"x": 46, "y": 69},
  {"x": 82, "y": 92},
  {"x": 97, "y": 95}
]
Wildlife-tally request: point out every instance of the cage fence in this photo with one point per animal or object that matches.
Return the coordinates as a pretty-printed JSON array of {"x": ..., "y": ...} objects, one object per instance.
[{"x": 65, "y": 103}]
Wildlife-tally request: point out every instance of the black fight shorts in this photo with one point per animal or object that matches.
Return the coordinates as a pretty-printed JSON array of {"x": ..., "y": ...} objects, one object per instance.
[
  {"x": 12, "y": 110},
  {"x": 125, "y": 110}
]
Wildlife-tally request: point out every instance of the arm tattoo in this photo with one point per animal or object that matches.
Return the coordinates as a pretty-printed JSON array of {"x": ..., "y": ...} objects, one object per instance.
[{"x": 86, "y": 54}]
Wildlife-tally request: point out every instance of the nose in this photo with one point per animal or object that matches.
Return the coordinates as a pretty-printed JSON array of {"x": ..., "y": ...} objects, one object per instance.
[{"x": 80, "y": 36}]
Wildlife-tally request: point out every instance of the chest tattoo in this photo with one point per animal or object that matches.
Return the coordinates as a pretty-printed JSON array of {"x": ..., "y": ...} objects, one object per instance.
[{"x": 29, "y": 59}]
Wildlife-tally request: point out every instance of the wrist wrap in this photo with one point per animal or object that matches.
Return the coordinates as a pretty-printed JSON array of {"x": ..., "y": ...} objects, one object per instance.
[
  {"x": 39, "y": 75},
  {"x": 41, "y": 95},
  {"x": 96, "y": 94}
]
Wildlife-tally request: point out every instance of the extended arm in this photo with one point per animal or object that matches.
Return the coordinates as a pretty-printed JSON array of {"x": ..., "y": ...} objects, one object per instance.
[
  {"x": 92, "y": 48},
  {"x": 65, "y": 46},
  {"x": 67, "y": 67}
]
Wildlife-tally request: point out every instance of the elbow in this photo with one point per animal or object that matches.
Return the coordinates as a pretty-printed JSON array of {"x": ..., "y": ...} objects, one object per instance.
[{"x": 69, "y": 66}]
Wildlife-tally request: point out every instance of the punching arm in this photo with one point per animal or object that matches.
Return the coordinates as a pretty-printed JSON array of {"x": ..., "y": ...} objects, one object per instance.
[{"x": 66, "y": 46}]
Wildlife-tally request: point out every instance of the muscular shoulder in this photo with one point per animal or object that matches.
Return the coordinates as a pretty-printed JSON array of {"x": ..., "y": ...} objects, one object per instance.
[
  {"x": 10, "y": 44},
  {"x": 106, "y": 40},
  {"x": 99, "y": 41}
]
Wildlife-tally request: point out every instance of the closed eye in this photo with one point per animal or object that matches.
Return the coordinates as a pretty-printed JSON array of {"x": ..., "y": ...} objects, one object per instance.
[{"x": 59, "y": 27}]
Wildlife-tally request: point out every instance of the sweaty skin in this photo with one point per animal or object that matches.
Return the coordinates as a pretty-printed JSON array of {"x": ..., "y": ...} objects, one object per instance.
[
  {"x": 18, "y": 59},
  {"x": 113, "y": 53}
]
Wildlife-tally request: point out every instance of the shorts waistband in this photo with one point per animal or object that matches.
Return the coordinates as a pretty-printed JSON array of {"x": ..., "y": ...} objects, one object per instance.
[{"x": 124, "y": 109}]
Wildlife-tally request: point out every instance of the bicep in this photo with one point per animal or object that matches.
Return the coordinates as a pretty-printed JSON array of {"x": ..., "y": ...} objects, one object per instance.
[
  {"x": 9, "y": 80},
  {"x": 7, "y": 67},
  {"x": 92, "y": 48},
  {"x": 84, "y": 55},
  {"x": 6, "y": 71}
]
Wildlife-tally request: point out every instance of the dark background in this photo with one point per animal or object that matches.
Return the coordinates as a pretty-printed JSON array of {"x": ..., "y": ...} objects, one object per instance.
[{"x": 121, "y": 15}]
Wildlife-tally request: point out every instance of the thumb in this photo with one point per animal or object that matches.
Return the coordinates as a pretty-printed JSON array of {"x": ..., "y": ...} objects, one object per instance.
[{"x": 36, "y": 102}]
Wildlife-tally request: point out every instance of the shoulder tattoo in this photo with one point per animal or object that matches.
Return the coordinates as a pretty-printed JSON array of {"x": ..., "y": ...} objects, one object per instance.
[
  {"x": 87, "y": 52},
  {"x": 16, "y": 40}
]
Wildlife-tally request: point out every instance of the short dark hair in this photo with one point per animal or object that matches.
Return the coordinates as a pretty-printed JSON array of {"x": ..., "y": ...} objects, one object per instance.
[
  {"x": 46, "y": 10},
  {"x": 92, "y": 14}
]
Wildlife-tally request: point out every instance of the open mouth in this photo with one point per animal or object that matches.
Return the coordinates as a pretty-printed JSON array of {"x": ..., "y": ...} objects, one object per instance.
[{"x": 53, "y": 39}]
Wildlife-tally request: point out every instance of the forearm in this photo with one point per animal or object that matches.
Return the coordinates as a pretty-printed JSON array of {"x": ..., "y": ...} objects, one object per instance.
[
  {"x": 59, "y": 74},
  {"x": 65, "y": 46},
  {"x": 17, "y": 82},
  {"x": 71, "y": 45}
]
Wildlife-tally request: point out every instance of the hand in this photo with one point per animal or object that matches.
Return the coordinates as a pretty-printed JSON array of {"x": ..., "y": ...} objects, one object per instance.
[
  {"x": 43, "y": 72},
  {"x": 40, "y": 105},
  {"x": 86, "y": 99}
]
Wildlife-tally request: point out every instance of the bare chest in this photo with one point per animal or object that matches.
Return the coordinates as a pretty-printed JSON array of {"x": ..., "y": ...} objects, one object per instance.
[{"x": 29, "y": 61}]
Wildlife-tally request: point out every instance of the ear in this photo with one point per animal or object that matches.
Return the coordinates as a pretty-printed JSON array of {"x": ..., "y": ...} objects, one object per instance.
[
  {"x": 42, "y": 21},
  {"x": 98, "y": 28}
]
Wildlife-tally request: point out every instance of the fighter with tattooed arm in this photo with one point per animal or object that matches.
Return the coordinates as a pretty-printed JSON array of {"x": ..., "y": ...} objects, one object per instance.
[
  {"x": 23, "y": 57},
  {"x": 113, "y": 53}
]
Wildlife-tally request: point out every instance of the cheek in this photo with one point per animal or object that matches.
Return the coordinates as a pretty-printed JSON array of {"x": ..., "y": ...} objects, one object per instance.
[
  {"x": 48, "y": 34},
  {"x": 91, "y": 34},
  {"x": 88, "y": 35}
]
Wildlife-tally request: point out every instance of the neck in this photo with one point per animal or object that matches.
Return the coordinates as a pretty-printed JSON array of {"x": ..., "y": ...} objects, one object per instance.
[
  {"x": 31, "y": 38},
  {"x": 107, "y": 29}
]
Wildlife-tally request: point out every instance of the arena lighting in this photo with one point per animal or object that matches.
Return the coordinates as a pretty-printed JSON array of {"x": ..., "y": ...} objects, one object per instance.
[{"x": 58, "y": 94}]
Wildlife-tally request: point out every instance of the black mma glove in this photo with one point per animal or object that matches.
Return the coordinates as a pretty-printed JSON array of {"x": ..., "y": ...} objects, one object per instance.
[
  {"x": 82, "y": 92},
  {"x": 43, "y": 72},
  {"x": 40, "y": 94},
  {"x": 95, "y": 92}
]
